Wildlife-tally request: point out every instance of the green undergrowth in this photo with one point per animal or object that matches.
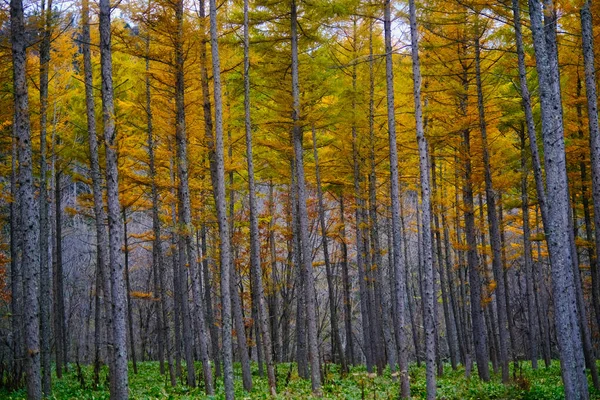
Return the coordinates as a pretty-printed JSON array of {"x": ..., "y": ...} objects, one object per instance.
[{"x": 526, "y": 384}]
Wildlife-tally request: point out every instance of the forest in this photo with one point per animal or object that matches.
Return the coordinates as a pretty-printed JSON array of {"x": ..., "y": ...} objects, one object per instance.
[{"x": 299, "y": 199}]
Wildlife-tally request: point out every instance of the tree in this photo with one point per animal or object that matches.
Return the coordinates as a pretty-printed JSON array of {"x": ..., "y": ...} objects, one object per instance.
[
  {"x": 119, "y": 376},
  {"x": 28, "y": 208}
]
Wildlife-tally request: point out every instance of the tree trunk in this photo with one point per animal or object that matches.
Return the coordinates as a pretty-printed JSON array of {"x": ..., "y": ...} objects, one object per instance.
[
  {"x": 157, "y": 250},
  {"x": 273, "y": 298},
  {"x": 128, "y": 288},
  {"x": 346, "y": 288},
  {"x": 429, "y": 300},
  {"x": 557, "y": 227},
  {"x": 208, "y": 128},
  {"x": 479, "y": 337},
  {"x": 99, "y": 212},
  {"x": 58, "y": 284},
  {"x": 215, "y": 145},
  {"x": 382, "y": 294},
  {"x": 587, "y": 39},
  {"x": 263, "y": 332},
  {"x": 528, "y": 262},
  {"x": 45, "y": 271},
  {"x": 448, "y": 311},
  {"x": 360, "y": 255},
  {"x": 335, "y": 333},
  {"x": 311, "y": 306},
  {"x": 494, "y": 226},
  {"x": 28, "y": 208},
  {"x": 115, "y": 228},
  {"x": 16, "y": 272},
  {"x": 399, "y": 262}
]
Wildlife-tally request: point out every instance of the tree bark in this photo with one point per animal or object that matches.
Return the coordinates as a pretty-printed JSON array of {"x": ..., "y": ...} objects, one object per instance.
[
  {"x": 587, "y": 40},
  {"x": 30, "y": 258},
  {"x": 557, "y": 227},
  {"x": 99, "y": 212},
  {"x": 311, "y": 306},
  {"x": 335, "y": 333},
  {"x": 119, "y": 375},
  {"x": 429, "y": 299},
  {"x": 346, "y": 288},
  {"x": 494, "y": 226},
  {"x": 399, "y": 262},
  {"x": 128, "y": 288},
  {"x": 215, "y": 146},
  {"x": 45, "y": 271},
  {"x": 157, "y": 250}
]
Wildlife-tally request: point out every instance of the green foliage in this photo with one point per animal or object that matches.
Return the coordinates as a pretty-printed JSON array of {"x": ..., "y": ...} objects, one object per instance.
[{"x": 526, "y": 384}]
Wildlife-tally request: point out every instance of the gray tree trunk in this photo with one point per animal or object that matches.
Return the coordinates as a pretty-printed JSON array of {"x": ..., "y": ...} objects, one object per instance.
[
  {"x": 186, "y": 253},
  {"x": 157, "y": 250},
  {"x": 382, "y": 294},
  {"x": 208, "y": 127},
  {"x": 494, "y": 226},
  {"x": 557, "y": 227},
  {"x": 479, "y": 335},
  {"x": 444, "y": 285},
  {"x": 30, "y": 258},
  {"x": 360, "y": 255},
  {"x": 528, "y": 261},
  {"x": 311, "y": 306},
  {"x": 16, "y": 273},
  {"x": 263, "y": 332},
  {"x": 99, "y": 212},
  {"x": 429, "y": 300},
  {"x": 45, "y": 271},
  {"x": 346, "y": 288},
  {"x": 587, "y": 40},
  {"x": 128, "y": 289},
  {"x": 399, "y": 262},
  {"x": 119, "y": 375},
  {"x": 335, "y": 333},
  {"x": 215, "y": 146}
]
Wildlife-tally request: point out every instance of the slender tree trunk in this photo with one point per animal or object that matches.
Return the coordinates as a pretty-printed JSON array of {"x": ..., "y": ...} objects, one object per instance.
[
  {"x": 128, "y": 288},
  {"x": 45, "y": 271},
  {"x": 335, "y": 333},
  {"x": 115, "y": 228},
  {"x": 99, "y": 212},
  {"x": 236, "y": 301},
  {"x": 210, "y": 317},
  {"x": 444, "y": 285},
  {"x": 186, "y": 253},
  {"x": 479, "y": 337},
  {"x": 528, "y": 262},
  {"x": 164, "y": 346},
  {"x": 399, "y": 262},
  {"x": 16, "y": 272},
  {"x": 360, "y": 255},
  {"x": 263, "y": 332},
  {"x": 215, "y": 145},
  {"x": 566, "y": 313},
  {"x": 58, "y": 285},
  {"x": 28, "y": 208},
  {"x": 592, "y": 111},
  {"x": 382, "y": 294},
  {"x": 311, "y": 300},
  {"x": 494, "y": 226},
  {"x": 208, "y": 127},
  {"x": 346, "y": 288},
  {"x": 301, "y": 336},
  {"x": 273, "y": 298},
  {"x": 429, "y": 299}
]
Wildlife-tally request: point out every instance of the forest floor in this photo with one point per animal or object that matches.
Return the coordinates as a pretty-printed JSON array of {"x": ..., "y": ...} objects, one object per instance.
[{"x": 526, "y": 384}]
